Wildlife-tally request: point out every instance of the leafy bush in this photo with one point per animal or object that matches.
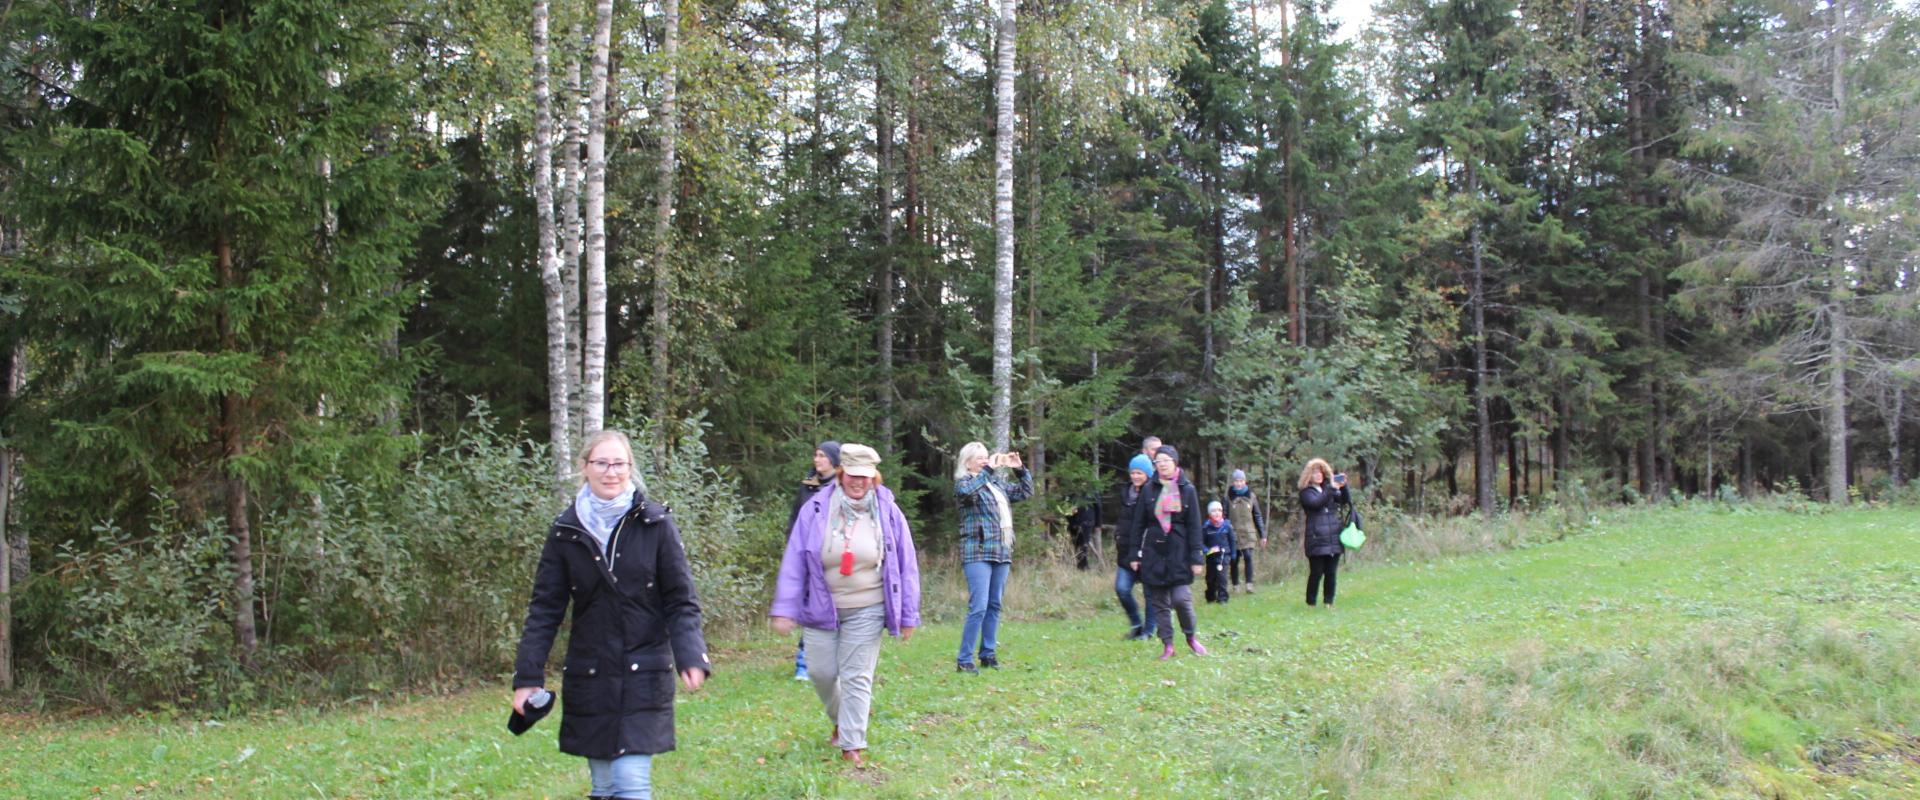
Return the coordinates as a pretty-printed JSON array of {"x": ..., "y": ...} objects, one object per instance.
[{"x": 363, "y": 584}]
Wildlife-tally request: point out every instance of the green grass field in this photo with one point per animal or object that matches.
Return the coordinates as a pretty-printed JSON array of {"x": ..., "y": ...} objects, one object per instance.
[{"x": 1664, "y": 653}]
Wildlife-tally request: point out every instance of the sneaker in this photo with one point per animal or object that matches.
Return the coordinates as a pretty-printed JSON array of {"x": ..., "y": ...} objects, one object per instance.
[
  {"x": 1166, "y": 651},
  {"x": 989, "y": 662},
  {"x": 1249, "y": 588},
  {"x": 966, "y": 668},
  {"x": 1198, "y": 649}
]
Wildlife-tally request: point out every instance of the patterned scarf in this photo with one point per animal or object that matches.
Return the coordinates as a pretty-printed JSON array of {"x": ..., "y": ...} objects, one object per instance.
[
  {"x": 850, "y": 516},
  {"x": 1169, "y": 503}
]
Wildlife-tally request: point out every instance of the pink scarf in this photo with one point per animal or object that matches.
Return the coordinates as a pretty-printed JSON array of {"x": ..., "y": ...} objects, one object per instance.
[{"x": 1169, "y": 503}]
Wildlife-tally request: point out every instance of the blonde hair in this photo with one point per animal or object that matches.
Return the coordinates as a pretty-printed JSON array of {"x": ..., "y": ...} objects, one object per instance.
[
  {"x": 967, "y": 452},
  {"x": 597, "y": 438},
  {"x": 1306, "y": 475}
]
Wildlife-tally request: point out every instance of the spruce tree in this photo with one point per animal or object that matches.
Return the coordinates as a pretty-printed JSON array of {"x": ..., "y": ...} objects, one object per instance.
[{"x": 200, "y": 286}]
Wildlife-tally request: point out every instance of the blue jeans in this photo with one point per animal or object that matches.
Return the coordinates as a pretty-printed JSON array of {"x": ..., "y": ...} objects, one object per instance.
[
  {"x": 1123, "y": 582},
  {"x": 986, "y": 581},
  {"x": 626, "y": 777}
]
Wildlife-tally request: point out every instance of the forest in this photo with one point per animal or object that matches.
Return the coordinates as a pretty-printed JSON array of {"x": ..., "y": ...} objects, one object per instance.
[{"x": 306, "y": 304}]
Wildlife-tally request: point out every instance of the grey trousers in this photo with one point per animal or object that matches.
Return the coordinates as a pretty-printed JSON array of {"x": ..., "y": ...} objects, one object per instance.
[
  {"x": 841, "y": 664},
  {"x": 1161, "y": 599}
]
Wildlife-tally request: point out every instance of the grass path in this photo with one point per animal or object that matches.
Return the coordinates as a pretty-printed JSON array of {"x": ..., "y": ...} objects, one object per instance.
[{"x": 1076, "y": 712}]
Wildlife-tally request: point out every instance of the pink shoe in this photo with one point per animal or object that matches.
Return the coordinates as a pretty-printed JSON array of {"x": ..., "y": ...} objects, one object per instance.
[
  {"x": 1198, "y": 650},
  {"x": 1167, "y": 653}
]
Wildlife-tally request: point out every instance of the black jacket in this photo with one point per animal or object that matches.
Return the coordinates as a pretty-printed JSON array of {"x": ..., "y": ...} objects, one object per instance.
[
  {"x": 1167, "y": 557},
  {"x": 1323, "y": 522},
  {"x": 807, "y": 488},
  {"x": 632, "y": 625},
  {"x": 1126, "y": 536}
]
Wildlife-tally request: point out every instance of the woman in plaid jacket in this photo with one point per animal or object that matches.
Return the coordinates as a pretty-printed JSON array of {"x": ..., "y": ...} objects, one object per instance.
[{"x": 986, "y": 543}]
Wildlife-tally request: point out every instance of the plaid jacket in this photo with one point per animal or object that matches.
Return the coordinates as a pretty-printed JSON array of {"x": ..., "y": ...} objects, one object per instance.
[{"x": 980, "y": 515}]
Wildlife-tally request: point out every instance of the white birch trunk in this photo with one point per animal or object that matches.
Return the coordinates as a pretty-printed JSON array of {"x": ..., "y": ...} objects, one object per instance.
[
  {"x": 573, "y": 166},
  {"x": 1003, "y": 228},
  {"x": 560, "y": 428},
  {"x": 593, "y": 382},
  {"x": 663, "y": 226}
]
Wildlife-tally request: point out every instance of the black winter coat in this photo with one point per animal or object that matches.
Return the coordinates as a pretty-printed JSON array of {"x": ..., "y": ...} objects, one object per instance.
[
  {"x": 632, "y": 625},
  {"x": 1167, "y": 557},
  {"x": 808, "y": 487},
  {"x": 1323, "y": 522},
  {"x": 1126, "y": 536}
]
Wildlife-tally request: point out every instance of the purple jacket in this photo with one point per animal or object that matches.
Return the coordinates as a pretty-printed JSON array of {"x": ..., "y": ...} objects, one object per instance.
[{"x": 801, "y": 593}]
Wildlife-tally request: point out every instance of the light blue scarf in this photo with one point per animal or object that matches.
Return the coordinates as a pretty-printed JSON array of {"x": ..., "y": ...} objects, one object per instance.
[{"x": 599, "y": 516}]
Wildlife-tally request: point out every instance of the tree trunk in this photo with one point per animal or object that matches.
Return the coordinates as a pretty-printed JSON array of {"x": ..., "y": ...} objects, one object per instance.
[
  {"x": 559, "y": 372},
  {"x": 1003, "y": 227},
  {"x": 593, "y": 382},
  {"x": 1216, "y": 263},
  {"x": 574, "y": 165},
  {"x": 883, "y": 301},
  {"x": 232, "y": 450},
  {"x": 1483, "y": 425},
  {"x": 1563, "y": 444},
  {"x": 663, "y": 225},
  {"x": 1037, "y": 410},
  {"x": 14, "y": 377},
  {"x": 1836, "y": 416},
  {"x": 1896, "y": 470}
]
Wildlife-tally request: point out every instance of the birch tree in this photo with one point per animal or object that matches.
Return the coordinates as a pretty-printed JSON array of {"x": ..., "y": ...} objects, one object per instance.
[
  {"x": 593, "y": 380},
  {"x": 663, "y": 222},
  {"x": 559, "y": 372},
  {"x": 1004, "y": 132}
]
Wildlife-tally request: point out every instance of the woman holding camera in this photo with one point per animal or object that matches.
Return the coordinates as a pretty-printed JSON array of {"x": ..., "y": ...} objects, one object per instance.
[
  {"x": 986, "y": 543},
  {"x": 1322, "y": 491},
  {"x": 614, "y": 556}
]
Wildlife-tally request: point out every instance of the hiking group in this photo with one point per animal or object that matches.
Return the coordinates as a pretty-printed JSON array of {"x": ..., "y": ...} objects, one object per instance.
[{"x": 850, "y": 572}]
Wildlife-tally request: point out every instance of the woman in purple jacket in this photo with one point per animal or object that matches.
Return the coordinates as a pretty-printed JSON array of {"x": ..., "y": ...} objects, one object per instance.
[{"x": 849, "y": 571}]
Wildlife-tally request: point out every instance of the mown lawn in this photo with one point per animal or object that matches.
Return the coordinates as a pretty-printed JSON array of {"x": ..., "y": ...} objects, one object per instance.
[{"x": 1677, "y": 652}]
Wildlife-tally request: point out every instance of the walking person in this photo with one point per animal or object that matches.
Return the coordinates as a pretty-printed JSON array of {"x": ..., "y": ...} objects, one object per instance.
[
  {"x": 986, "y": 544},
  {"x": 826, "y": 470},
  {"x": 616, "y": 559},
  {"x": 850, "y": 570},
  {"x": 1218, "y": 533},
  {"x": 1126, "y": 543},
  {"x": 1170, "y": 554},
  {"x": 1322, "y": 491},
  {"x": 1243, "y": 510}
]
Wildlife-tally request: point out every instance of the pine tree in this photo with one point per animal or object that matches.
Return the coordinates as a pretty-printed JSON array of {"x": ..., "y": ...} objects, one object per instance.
[{"x": 192, "y": 310}]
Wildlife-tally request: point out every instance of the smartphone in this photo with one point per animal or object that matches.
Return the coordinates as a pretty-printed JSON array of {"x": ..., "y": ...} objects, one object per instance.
[{"x": 1340, "y": 478}]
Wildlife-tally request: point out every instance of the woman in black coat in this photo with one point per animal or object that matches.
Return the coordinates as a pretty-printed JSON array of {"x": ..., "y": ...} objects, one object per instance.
[
  {"x": 1171, "y": 551},
  {"x": 1126, "y": 545},
  {"x": 616, "y": 558},
  {"x": 1321, "y": 494}
]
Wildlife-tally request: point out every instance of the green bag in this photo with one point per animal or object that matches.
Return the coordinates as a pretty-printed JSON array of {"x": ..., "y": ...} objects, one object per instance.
[{"x": 1351, "y": 537}]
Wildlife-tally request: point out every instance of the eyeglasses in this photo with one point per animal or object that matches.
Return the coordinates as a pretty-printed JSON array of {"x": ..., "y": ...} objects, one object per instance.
[{"x": 610, "y": 466}]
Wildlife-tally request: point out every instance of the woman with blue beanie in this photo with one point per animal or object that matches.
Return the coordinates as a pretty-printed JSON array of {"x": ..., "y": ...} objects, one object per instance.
[{"x": 1126, "y": 541}]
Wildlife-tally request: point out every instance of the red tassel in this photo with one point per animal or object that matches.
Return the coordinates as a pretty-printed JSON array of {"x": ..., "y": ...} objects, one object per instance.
[{"x": 846, "y": 562}]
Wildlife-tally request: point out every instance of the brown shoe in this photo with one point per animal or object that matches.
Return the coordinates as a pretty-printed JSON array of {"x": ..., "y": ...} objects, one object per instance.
[{"x": 858, "y": 757}]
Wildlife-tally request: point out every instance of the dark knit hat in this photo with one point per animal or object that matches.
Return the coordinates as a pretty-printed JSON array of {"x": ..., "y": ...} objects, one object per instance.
[
  {"x": 1168, "y": 451},
  {"x": 832, "y": 449}
]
